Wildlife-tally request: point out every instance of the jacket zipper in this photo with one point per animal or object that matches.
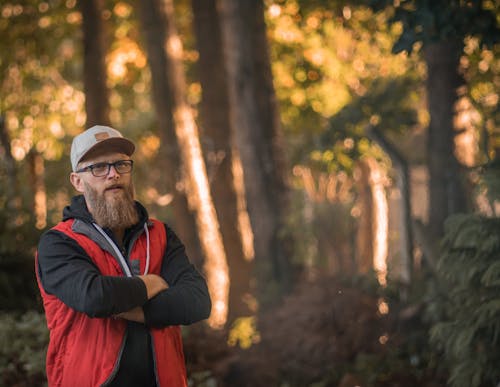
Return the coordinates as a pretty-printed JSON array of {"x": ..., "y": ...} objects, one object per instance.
[
  {"x": 154, "y": 360},
  {"x": 117, "y": 363}
]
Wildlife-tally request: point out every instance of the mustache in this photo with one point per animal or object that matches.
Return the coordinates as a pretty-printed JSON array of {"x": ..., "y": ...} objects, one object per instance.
[{"x": 113, "y": 186}]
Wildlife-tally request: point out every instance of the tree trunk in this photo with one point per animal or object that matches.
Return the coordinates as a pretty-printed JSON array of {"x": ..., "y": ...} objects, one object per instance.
[
  {"x": 447, "y": 195},
  {"x": 255, "y": 145},
  {"x": 364, "y": 235},
  {"x": 373, "y": 220},
  {"x": 273, "y": 144},
  {"x": 37, "y": 172},
  {"x": 193, "y": 163},
  {"x": 219, "y": 140},
  {"x": 184, "y": 223},
  {"x": 11, "y": 187},
  {"x": 94, "y": 63},
  {"x": 403, "y": 184}
]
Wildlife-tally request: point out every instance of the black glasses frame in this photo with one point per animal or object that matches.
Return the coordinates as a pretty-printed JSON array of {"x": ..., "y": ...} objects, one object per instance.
[{"x": 102, "y": 169}]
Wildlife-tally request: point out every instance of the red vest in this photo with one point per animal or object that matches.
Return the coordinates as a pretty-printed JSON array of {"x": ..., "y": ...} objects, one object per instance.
[{"x": 84, "y": 351}]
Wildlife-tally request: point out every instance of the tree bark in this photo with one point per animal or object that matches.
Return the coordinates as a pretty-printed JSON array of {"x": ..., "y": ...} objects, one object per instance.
[
  {"x": 256, "y": 138},
  {"x": 219, "y": 140},
  {"x": 190, "y": 151},
  {"x": 446, "y": 185},
  {"x": 153, "y": 28},
  {"x": 94, "y": 63},
  {"x": 364, "y": 236},
  {"x": 12, "y": 187}
]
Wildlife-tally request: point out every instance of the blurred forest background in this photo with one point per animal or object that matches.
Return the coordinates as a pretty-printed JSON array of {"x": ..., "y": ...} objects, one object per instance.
[{"x": 331, "y": 165}]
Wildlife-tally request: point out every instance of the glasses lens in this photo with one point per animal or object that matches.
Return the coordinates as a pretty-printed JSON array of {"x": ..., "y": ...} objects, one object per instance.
[
  {"x": 100, "y": 169},
  {"x": 123, "y": 166}
]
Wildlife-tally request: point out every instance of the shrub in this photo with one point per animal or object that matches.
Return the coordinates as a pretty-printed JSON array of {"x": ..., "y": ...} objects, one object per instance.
[
  {"x": 24, "y": 339},
  {"x": 467, "y": 312}
]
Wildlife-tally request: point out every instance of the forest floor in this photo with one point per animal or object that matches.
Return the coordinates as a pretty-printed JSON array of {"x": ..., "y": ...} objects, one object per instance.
[{"x": 329, "y": 332}]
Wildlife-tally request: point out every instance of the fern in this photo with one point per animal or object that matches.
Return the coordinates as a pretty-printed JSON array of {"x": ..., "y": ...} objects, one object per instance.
[{"x": 468, "y": 328}]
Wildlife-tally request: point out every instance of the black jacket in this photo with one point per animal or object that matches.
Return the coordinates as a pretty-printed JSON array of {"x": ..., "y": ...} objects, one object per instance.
[{"x": 67, "y": 272}]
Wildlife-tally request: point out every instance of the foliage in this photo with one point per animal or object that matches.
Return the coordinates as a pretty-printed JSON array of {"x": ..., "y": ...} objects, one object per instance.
[
  {"x": 390, "y": 104},
  {"x": 481, "y": 70},
  {"x": 331, "y": 62},
  {"x": 243, "y": 332},
  {"x": 428, "y": 21},
  {"x": 40, "y": 100},
  {"x": 24, "y": 341},
  {"x": 467, "y": 313},
  {"x": 490, "y": 180},
  {"x": 17, "y": 280}
]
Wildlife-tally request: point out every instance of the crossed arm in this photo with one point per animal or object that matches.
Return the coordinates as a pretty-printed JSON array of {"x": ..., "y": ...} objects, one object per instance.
[
  {"x": 154, "y": 285},
  {"x": 178, "y": 295}
]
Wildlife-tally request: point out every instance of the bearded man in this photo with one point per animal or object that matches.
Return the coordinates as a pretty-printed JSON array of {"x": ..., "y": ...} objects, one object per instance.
[{"x": 116, "y": 285}]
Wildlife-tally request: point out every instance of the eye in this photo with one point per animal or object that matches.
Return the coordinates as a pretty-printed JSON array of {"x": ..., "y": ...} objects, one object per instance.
[
  {"x": 100, "y": 167},
  {"x": 121, "y": 164}
]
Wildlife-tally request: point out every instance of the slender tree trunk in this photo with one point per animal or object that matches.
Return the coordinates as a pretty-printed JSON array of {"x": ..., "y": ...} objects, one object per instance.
[
  {"x": 11, "y": 188},
  {"x": 364, "y": 235},
  {"x": 184, "y": 223},
  {"x": 446, "y": 186},
  {"x": 403, "y": 184},
  {"x": 217, "y": 133},
  {"x": 373, "y": 220},
  {"x": 94, "y": 63},
  {"x": 273, "y": 142},
  {"x": 37, "y": 171},
  {"x": 193, "y": 163},
  {"x": 255, "y": 145}
]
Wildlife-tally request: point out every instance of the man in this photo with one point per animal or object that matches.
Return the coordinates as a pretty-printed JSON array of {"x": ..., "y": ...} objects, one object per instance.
[{"x": 115, "y": 284}]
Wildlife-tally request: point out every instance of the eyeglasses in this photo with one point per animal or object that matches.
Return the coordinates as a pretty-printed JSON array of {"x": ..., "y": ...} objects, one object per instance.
[{"x": 102, "y": 169}]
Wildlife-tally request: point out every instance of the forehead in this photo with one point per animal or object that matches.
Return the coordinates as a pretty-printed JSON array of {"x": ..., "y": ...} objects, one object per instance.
[{"x": 107, "y": 157}]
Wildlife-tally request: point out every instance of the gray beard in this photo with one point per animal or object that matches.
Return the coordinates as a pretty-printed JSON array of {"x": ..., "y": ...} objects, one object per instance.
[{"x": 115, "y": 213}]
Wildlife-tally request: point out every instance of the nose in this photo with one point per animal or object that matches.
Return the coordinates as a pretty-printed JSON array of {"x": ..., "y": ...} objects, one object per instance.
[{"x": 113, "y": 173}]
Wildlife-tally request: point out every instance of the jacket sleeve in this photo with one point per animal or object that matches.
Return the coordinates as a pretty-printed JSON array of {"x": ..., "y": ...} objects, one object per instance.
[
  {"x": 187, "y": 299},
  {"x": 67, "y": 272}
]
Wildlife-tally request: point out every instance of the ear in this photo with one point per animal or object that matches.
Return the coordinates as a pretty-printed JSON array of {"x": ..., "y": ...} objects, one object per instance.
[{"x": 77, "y": 181}]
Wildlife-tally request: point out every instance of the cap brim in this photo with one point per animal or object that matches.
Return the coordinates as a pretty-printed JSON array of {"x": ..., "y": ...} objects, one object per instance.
[{"x": 114, "y": 144}]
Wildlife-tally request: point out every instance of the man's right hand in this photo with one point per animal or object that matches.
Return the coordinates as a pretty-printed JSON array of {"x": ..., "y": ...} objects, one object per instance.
[{"x": 154, "y": 284}]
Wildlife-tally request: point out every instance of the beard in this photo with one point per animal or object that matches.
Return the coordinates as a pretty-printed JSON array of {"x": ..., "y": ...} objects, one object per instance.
[{"x": 117, "y": 211}]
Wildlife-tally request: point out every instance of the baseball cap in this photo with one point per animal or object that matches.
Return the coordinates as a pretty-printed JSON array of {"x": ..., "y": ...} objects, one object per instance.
[{"x": 97, "y": 138}]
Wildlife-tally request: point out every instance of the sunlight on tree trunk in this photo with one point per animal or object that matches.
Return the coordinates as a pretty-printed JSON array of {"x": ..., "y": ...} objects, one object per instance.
[
  {"x": 206, "y": 219},
  {"x": 198, "y": 190},
  {"x": 467, "y": 142},
  {"x": 372, "y": 212},
  {"x": 402, "y": 188},
  {"x": 221, "y": 156},
  {"x": 243, "y": 219},
  {"x": 172, "y": 180},
  {"x": 253, "y": 120},
  {"x": 380, "y": 221}
]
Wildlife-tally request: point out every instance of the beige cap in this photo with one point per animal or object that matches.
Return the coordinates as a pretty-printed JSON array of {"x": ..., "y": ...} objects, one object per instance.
[{"x": 99, "y": 138}]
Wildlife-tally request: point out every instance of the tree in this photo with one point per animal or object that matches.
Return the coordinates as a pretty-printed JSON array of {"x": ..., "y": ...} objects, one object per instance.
[
  {"x": 94, "y": 63},
  {"x": 218, "y": 138},
  {"x": 194, "y": 167},
  {"x": 258, "y": 142},
  {"x": 441, "y": 26},
  {"x": 153, "y": 29}
]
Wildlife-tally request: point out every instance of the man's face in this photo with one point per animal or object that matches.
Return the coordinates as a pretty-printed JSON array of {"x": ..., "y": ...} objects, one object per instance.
[{"x": 109, "y": 198}]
